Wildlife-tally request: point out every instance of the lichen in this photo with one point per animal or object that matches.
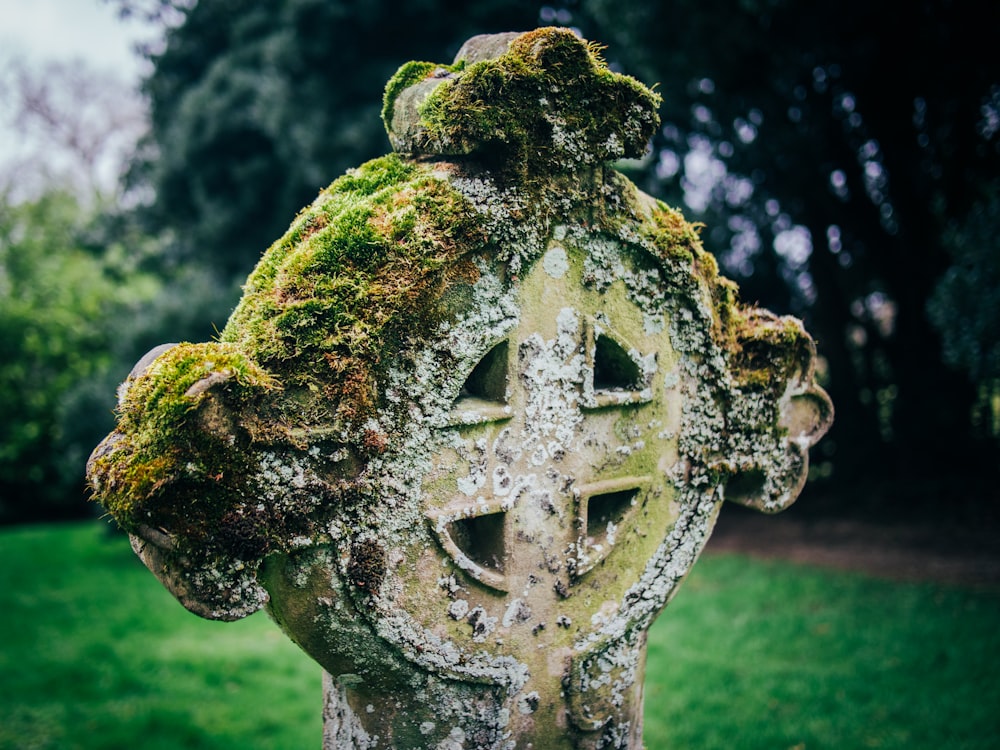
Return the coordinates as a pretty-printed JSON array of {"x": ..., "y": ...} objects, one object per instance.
[{"x": 322, "y": 452}]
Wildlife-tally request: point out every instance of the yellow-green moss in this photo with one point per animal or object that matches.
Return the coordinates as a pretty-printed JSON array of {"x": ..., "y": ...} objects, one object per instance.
[
  {"x": 674, "y": 238},
  {"x": 770, "y": 351},
  {"x": 410, "y": 73},
  {"x": 370, "y": 256},
  {"x": 157, "y": 399},
  {"x": 678, "y": 242},
  {"x": 162, "y": 429},
  {"x": 549, "y": 100},
  {"x": 766, "y": 350}
]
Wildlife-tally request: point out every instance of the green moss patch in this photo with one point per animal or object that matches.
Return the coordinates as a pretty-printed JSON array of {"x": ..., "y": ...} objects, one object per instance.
[
  {"x": 367, "y": 260},
  {"x": 771, "y": 351},
  {"x": 672, "y": 236},
  {"x": 166, "y": 435},
  {"x": 678, "y": 244},
  {"x": 549, "y": 102},
  {"x": 408, "y": 75}
]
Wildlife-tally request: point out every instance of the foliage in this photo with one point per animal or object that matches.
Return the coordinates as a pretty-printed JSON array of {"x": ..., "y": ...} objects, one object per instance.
[
  {"x": 965, "y": 305},
  {"x": 750, "y": 656},
  {"x": 161, "y": 12},
  {"x": 829, "y": 149},
  {"x": 62, "y": 290},
  {"x": 257, "y": 105},
  {"x": 83, "y": 291}
]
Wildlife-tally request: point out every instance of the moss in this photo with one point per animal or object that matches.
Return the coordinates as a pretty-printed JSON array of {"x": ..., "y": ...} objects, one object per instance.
[
  {"x": 370, "y": 256},
  {"x": 172, "y": 436},
  {"x": 243, "y": 532},
  {"x": 372, "y": 177},
  {"x": 678, "y": 244},
  {"x": 159, "y": 398},
  {"x": 673, "y": 237},
  {"x": 549, "y": 102},
  {"x": 409, "y": 74},
  {"x": 771, "y": 351},
  {"x": 349, "y": 191}
]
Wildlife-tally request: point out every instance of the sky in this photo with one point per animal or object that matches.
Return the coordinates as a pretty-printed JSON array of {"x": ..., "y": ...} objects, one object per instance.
[
  {"x": 40, "y": 30},
  {"x": 89, "y": 36}
]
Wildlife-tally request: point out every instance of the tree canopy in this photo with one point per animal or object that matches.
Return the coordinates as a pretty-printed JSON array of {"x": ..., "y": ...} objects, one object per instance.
[
  {"x": 67, "y": 301},
  {"x": 844, "y": 158},
  {"x": 257, "y": 104},
  {"x": 833, "y": 151}
]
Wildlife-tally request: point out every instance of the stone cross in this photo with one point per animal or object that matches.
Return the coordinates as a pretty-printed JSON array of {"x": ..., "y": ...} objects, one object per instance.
[{"x": 473, "y": 419}]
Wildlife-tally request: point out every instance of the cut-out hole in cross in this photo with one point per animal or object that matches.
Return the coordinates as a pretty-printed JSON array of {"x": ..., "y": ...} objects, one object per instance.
[
  {"x": 607, "y": 509},
  {"x": 475, "y": 537},
  {"x": 483, "y": 397},
  {"x": 605, "y": 506},
  {"x": 481, "y": 539},
  {"x": 616, "y": 376},
  {"x": 747, "y": 487},
  {"x": 488, "y": 379},
  {"x": 613, "y": 367},
  {"x": 500, "y": 537}
]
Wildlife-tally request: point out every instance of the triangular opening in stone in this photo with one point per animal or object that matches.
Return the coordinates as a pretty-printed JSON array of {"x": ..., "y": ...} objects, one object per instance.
[
  {"x": 746, "y": 488},
  {"x": 605, "y": 509},
  {"x": 483, "y": 397},
  {"x": 614, "y": 369},
  {"x": 481, "y": 539},
  {"x": 488, "y": 379}
]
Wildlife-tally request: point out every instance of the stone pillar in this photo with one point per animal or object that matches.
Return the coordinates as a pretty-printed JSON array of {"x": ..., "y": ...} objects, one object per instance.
[{"x": 473, "y": 419}]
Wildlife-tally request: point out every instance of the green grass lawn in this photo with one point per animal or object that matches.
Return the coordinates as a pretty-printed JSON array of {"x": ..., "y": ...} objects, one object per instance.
[{"x": 756, "y": 656}]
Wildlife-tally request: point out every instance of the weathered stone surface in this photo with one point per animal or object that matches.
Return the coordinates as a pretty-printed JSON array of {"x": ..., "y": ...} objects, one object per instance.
[
  {"x": 546, "y": 104},
  {"x": 473, "y": 419}
]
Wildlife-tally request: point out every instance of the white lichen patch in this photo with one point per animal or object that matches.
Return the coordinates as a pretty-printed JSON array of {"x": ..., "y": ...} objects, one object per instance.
[
  {"x": 555, "y": 262},
  {"x": 517, "y": 611},
  {"x": 458, "y": 609},
  {"x": 553, "y": 372},
  {"x": 519, "y": 242}
]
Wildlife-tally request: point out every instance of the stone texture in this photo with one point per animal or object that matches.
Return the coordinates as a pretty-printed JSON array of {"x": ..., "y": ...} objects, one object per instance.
[{"x": 474, "y": 418}]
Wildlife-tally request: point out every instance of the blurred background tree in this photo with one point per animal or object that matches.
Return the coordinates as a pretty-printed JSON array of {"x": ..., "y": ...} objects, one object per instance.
[
  {"x": 844, "y": 159},
  {"x": 66, "y": 296},
  {"x": 257, "y": 104},
  {"x": 835, "y": 152},
  {"x": 84, "y": 290},
  {"x": 65, "y": 276}
]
